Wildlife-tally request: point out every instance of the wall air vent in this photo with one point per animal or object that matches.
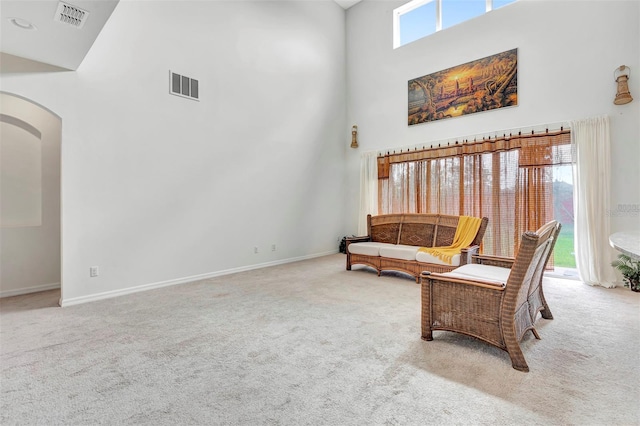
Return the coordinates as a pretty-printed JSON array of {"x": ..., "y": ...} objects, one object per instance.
[
  {"x": 70, "y": 15},
  {"x": 183, "y": 86}
]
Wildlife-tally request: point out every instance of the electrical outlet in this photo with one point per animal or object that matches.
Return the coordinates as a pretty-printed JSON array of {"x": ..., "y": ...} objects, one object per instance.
[
  {"x": 93, "y": 271},
  {"x": 255, "y": 250},
  {"x": 273, "y": 247}
]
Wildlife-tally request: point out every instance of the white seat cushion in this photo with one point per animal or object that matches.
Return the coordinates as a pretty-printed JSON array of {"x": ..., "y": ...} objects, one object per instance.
[
  {"x": 481, "y": 272},
  {"x": 424, "y": 257},
  {"x": 368, "y": 248},
  {"x": 399, "y": 251}
]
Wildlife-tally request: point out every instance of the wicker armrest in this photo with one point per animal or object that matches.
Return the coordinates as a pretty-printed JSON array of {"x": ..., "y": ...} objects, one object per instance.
[
  {"x": 484, "y": 259},
  {"x": 493, "y": 285},
  {"x": 358, "y": 239},
  {"x": 467, "y": 253}
]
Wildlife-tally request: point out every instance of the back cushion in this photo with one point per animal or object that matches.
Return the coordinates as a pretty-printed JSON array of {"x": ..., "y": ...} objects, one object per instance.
[
  {"x": 417, "y": 234},
  {"x": 385, "y": 233}
]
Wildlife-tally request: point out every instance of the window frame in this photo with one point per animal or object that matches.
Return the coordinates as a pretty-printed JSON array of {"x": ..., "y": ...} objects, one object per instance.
[
  {"x": 409, "y": 7},
  {"x": 414, "y": 4}
]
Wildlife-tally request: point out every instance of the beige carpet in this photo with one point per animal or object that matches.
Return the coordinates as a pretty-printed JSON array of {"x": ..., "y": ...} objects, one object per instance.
[{"x": 309, "y": 343}]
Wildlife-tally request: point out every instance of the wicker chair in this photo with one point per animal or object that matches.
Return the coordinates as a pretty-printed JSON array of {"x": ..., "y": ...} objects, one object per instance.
[
  {"x": 498, "y": 308},
  {"x": 536, "y": 299}
]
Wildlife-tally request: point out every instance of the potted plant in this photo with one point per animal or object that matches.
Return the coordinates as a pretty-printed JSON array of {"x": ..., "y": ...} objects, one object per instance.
[{"x": 630, "y": 270}]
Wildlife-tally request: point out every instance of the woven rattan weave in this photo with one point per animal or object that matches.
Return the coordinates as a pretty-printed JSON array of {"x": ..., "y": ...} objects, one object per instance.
[
  {"x": 499, "y": 313},
  {"x": 412, "y": 229}
]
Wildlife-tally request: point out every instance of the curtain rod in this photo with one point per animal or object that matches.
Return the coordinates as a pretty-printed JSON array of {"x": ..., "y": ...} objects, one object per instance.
[{"x": 560, "y": 126}]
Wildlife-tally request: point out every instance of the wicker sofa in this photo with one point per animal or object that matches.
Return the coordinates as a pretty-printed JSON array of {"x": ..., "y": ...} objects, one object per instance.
[{"x": 393, "y": 241}]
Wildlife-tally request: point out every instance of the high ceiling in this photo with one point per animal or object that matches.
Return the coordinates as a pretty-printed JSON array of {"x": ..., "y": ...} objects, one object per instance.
[
  {"x": 50, "y": 42},
  {"x": 31, "y": 36},
  {"x": 346, "y": 4}
]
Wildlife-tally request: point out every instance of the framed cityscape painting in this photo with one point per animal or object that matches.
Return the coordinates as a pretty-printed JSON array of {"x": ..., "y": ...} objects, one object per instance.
[{"x": 476, "y": 86}]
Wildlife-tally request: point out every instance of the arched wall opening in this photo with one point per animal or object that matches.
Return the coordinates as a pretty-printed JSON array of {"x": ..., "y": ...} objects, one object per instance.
[{"x": 30, "y": 220}]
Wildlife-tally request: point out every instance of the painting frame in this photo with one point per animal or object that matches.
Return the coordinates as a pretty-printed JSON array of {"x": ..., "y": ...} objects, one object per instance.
[{"x": 480, "y": 85}]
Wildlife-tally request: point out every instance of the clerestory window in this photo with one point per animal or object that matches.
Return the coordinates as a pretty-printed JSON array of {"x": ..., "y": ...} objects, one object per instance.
[{"x": 420, "y": 18}]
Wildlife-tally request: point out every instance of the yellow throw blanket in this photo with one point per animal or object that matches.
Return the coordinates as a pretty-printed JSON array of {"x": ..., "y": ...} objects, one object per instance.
[{"x": 466, "y": 231}]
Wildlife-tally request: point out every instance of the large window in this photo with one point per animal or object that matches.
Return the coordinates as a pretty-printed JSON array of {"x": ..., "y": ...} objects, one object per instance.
[
  {"x": 509, "y": 180},
  {"x": 564, "y": 255},
  {"x": 420, "y": 18}
]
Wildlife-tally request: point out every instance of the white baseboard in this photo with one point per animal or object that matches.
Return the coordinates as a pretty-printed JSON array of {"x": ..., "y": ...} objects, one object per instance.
[
  {"x": 145, "y": 287},
  {"x": 27, "y": 290}
]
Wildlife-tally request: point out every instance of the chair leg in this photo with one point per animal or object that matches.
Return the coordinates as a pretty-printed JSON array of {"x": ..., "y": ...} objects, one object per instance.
[
  {"x": 546, "y": 312},
  {"x": 425, "y": 315},
  {"x": 537, "y": 303},
  {"x": 535, "y": 333},
  {"x": 427, "y": 333},
  {"x": 517, "y": 358}
]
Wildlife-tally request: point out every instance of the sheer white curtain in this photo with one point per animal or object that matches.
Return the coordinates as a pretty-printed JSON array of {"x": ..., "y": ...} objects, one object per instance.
[
  {"x": 590, "y": 139},
  {"x": 368, "y": 189}
]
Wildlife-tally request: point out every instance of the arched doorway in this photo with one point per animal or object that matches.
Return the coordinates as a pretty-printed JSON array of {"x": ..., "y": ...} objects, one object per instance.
[{"x": 30, "y": 241}]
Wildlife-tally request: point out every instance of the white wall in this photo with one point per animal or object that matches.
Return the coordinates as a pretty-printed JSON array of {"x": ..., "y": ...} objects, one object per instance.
[
  {"x": 567, "y": 54},
  {"x": 30, "y": 238},
  {"x": 157, "y": 189}
]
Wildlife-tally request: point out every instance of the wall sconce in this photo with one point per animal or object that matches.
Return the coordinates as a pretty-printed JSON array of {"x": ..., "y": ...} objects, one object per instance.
[
  {"x": 354, "y": 136},
  {"x": 623, "y": 96}
]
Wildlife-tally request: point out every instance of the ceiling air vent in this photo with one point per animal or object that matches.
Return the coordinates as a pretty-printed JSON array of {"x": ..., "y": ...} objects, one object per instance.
[{"x": 71, "y": 15}]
